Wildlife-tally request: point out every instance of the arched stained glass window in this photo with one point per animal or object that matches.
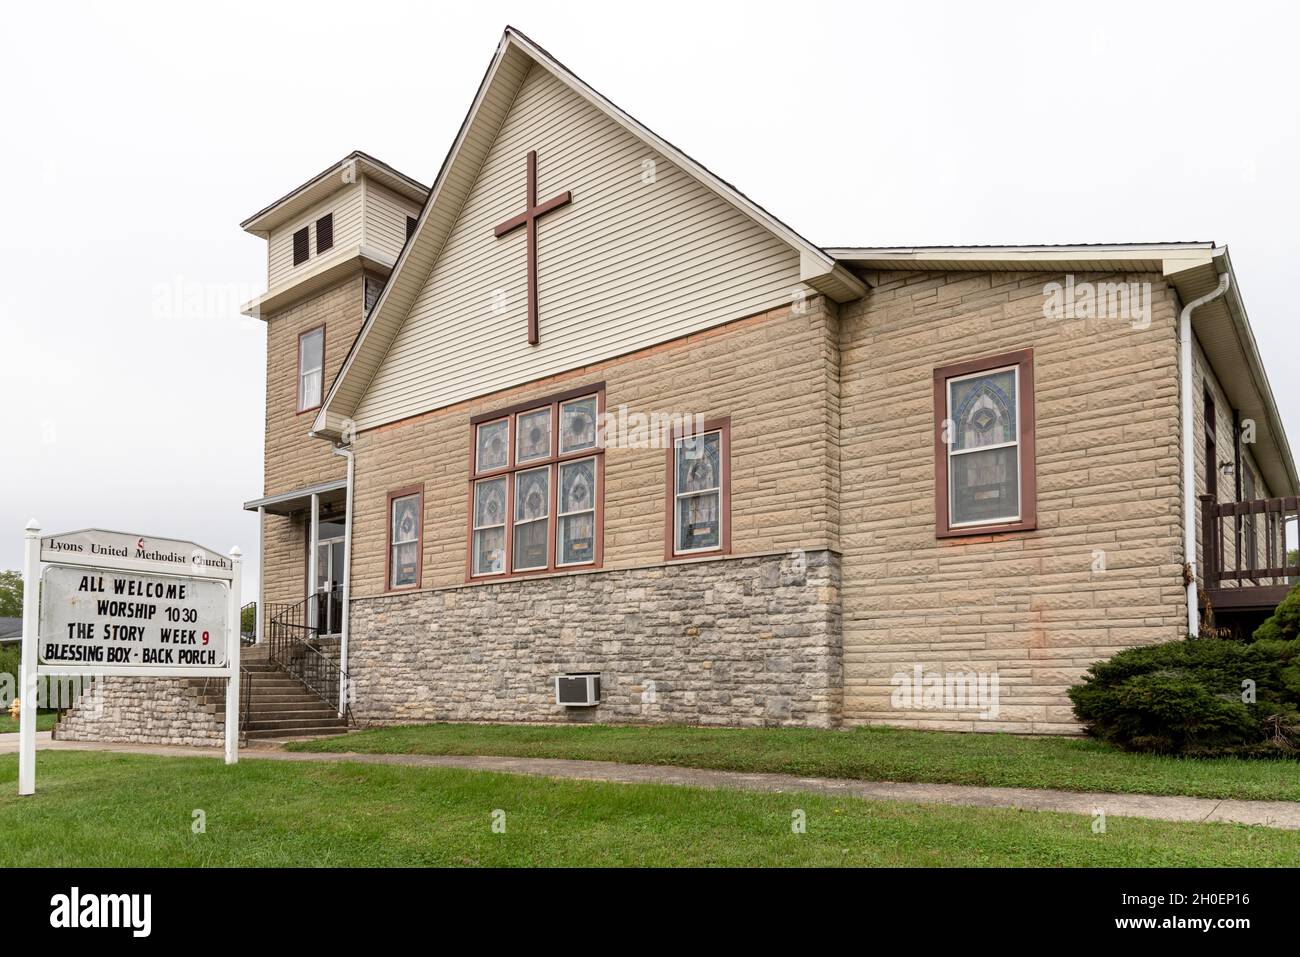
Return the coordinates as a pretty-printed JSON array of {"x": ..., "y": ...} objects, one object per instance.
[
  {"x": 983, "y": 457},
  {"x": 537, "y": 485}
]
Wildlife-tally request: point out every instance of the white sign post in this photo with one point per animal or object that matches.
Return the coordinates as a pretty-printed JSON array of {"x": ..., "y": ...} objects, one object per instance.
[
  {"x": 27, "y": 684},
  {"x": 232, "y": 656},
  {"x": 114, "y": 604}
]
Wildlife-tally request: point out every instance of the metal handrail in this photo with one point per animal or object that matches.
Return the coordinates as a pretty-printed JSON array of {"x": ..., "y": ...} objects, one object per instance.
[
  {"x": 246, "y": 693},
  {"x": 292, "y": 645}
]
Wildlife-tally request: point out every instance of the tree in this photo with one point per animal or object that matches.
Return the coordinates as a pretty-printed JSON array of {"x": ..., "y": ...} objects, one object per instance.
[
  {"x": 11, "y": 594},
  {"x": 248, "y": 619}
]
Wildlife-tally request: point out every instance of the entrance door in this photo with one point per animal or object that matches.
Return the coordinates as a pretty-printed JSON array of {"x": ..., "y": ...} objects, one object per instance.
[{"x": 329, "y": 579}]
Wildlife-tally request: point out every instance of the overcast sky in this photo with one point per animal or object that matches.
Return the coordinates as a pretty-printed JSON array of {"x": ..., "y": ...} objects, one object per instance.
[{"x": 138, "y": 136}]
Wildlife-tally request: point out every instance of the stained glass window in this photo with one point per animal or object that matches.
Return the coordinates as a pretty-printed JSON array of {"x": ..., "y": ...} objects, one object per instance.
[
  {"x": 404, "y": 560},
  {"x": 984, "y": 448},
  {"x": 533, "y": 431},
  {"x": 493, "y": 445},
  {"x": 697, "y": 491},
  {"x": 532, "y": 509},
  {"x": 578, "y": 424},
  {"x": 538, "y": 509},
  {"x": 577, "y": 512},
  {"x": 490, "y": 527}
]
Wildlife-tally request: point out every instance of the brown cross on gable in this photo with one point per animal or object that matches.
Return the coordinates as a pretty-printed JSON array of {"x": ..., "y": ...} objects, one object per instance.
[{"x": 529, "y": 218}]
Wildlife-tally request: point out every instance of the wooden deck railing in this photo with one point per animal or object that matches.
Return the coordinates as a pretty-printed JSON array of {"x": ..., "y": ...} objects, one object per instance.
[{"x": 1244, "y": 561}]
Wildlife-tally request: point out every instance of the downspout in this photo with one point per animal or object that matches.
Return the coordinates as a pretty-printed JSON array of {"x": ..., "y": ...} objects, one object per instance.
[
  {"x": 1189, "y": 449},
  {"x": 344, "y": 690},
  {"x": 261, "y": 571}
]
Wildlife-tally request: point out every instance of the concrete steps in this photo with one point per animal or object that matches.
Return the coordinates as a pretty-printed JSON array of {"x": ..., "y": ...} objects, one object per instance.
[{"x": 280, "y": 706}]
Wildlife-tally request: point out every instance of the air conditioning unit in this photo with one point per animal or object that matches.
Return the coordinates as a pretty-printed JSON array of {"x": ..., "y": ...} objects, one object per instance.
[{"x": 577, "y": 691}]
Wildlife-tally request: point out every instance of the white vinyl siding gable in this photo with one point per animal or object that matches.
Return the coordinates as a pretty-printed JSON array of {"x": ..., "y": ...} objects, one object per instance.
[
  {"x": 386, "y": 214},
  {"x": 628, "y": 264},
  {"x": 346, "y": 207}
]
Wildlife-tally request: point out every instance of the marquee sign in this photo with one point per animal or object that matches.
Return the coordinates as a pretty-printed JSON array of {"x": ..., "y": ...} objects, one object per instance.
[
  {"x": 95, "y": 616},
  {"x": 98, "y": 548},
  {"x": 113, "y": 604}
]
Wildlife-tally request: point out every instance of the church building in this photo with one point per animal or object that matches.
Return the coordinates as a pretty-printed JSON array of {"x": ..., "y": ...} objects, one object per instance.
[{"x": 580, "y": 432}]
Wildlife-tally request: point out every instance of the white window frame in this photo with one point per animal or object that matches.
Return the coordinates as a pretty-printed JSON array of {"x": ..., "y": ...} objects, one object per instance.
[
  {"x": 504, "y": 524},
  {"x": 560, "y": 514},
  {"x": 549, "y": 454},
  {"x": 516, "y": 524},
  {"x": 560, "y": 450},
  {"x": 952, "y": 441},
  {"x": 478, "y": 429},
  {"x": 394, "y": 544},
  {"x": 678, "y": 494},
  {"x": 318, "y": 370}
]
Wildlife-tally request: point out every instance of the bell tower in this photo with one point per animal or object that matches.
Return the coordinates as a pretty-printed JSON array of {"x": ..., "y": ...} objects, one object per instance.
[{"x": 330, "y": 246}]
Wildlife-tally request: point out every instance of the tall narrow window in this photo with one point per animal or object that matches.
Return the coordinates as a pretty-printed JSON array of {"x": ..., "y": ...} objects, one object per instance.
[
  {"x": 535, "y": 486},
  {"x": 405, "y": 536},
  {"x": 325, "y": 233},
  {"x": 490, "y": 519},
  {"x": 698, "y": 491},
  {"x": 577, "y": 513},
  {"x": 1211, "y": 447},
  {"x": 373, "y": 288},
  {"x": 311, "y": 362},
  {"x": 532, "y": 518},
  {"x": 301, "y": 249},
  {"x": 1252, "y": 521},
  {"x": 984, "y": 446}
]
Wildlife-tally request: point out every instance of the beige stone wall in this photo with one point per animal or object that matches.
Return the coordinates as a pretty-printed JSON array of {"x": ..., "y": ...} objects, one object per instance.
[
  {"x": 770, "y": 373},
  {"x": 1027, "y": 605},
  {"x": 284, "y": 559},
  {"x": 293, "y": 457}
]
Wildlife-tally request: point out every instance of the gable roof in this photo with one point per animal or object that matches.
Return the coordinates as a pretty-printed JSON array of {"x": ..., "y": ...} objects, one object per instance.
[
  {"x": 1222, "y": 327},
  {"x": 1193, "y": 268},
  {"x": 325, "y": 183},
  {"x": 515, "y": 55}
]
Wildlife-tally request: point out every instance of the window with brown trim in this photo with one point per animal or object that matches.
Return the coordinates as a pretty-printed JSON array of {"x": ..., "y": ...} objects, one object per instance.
[
  {"x": 405, "y": 538},
  {"x": 311, "y": 368},
  {"x": 536, "y": 494},
  {"x": 301, "y": 247},
  {"x": 325, "y": 233},
  {"x": 984, "y": 446},
  {"x": 698, "y": 491}
]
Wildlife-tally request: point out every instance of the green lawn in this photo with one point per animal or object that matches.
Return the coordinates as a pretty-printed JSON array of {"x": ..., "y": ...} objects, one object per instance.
[
  {"x": 44, "y": 721},
  {"x": 874, "y": 754},
  {"x": 119, "y": 810}
]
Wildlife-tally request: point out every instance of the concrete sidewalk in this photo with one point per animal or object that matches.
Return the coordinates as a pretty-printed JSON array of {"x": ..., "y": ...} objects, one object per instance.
[{"x": 1278, "y": 814}]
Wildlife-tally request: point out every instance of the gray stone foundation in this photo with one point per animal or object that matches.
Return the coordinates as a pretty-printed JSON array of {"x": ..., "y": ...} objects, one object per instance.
[
  {"x": 143, "y": 711},
  {"x": 733, "y": 641}
]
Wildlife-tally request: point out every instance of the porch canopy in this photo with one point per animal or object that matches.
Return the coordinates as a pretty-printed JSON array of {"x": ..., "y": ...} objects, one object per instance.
[{"x": 299, "y": 500}]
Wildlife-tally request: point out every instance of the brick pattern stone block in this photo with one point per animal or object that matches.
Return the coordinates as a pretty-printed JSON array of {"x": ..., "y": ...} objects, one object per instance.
[
  {"x": 293, "y": 458},
  {"x": 770, "y": 373},
  {"x": 1034, "y": 606}
]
